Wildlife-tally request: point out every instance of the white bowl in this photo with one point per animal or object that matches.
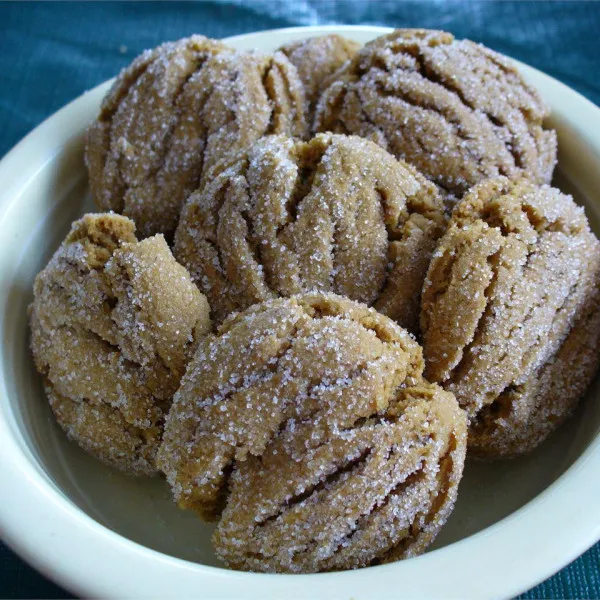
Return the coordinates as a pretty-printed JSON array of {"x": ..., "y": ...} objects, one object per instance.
[{"x": 102, "y": 534}]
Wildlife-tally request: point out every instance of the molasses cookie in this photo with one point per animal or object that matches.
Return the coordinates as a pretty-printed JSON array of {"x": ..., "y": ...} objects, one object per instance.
[
  {"x": 509, "y": 299},
  {"x": 316, "y": 361},
  {"x": 458, "y": 111},
  {"x": 335, "y": 214},
  {"x": 113, "y": 324}
]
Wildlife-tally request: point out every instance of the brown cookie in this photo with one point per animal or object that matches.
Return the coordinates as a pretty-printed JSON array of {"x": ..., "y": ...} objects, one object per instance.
[
  {"x": 376, "y": 490},
  {"x": 511, "y": 279},
  {"x": 316, "y": 360},
  {"x": 113, "y": 324},
  {"x": 335, "y": 214},
  {"x": 317, "y": 59},
  {"x": 174, "y": 112},
  {"x": 458, "y": 111}
]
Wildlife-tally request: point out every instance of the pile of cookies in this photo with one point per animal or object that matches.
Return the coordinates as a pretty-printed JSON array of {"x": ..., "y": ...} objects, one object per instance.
[{"x": 350, "y": 271}]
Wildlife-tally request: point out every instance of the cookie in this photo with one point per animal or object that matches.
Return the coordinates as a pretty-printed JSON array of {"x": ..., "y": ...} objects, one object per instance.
[
  {"x": 458, "y": 111},
  {"x": 315, "y": 360},
  {"x": 509, "y": 282},
  {"x": 377, "y": 490},
  {"x": 335, "y": 214},
  {"x": 174, "y": 112},
  {"x": 113, "y": 323},
  {"x": 317, "y": 59}
]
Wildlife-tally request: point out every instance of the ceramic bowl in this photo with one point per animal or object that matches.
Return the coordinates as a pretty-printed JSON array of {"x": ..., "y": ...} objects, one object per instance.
[{"x": 99, "y": 533}]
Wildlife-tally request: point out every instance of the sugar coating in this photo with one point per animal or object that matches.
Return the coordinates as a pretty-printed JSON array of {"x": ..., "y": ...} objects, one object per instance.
[
  {"x": 377, "y": 489},
  {"x": 337, "y": 213},
  {"x": 113, "y": 324},
  {"x": 525, "y": 414},
  {"x": 175, "y": 111},
  {"x": 458, "y": 111},
  {"x": 318, "y": 360},
  {"x": 317, "y": 59},
  {"x": 514, "y": 276}
]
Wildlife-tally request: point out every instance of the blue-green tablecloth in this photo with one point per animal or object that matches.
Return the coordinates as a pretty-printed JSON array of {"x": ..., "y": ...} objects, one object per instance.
[{"x": 50, "y": 53}]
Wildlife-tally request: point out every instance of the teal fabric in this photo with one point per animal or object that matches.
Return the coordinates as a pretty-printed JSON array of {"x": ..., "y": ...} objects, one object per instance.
[{"x": 50, "y": 53}]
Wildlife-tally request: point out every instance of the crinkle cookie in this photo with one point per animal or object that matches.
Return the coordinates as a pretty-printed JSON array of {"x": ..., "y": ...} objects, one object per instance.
[
  {"x": 509, "y": 299},
  {"x": 175, "y": 111},
  {"x": 113, "y": 324},
  {"x": 316, "y": 359},
  {"x": 458, "y": 111},
  {"x": 317, "y": 59},
  {"x": 377, "y": 489},
  {"x": 337, "y": 214}
]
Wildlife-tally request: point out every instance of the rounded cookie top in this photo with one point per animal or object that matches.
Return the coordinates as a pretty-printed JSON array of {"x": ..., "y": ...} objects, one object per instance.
[
  {"x": 458, "y": 111},
  {"x": 317, "y": 359},
  {"x": 506, "y": 284},
  {"x": 317, "y": 59},
  {"x": 175, "y": 111},
  {"x": 113, "y": 324},
  {"x": 378, "y": 489},
  {"x": 337, "y": 214}
]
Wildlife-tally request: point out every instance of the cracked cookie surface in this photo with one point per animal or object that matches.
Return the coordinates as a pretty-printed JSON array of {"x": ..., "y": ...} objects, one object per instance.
[
  {"x": 458, "y": 111},
  {"x": 113, "y": 323},
  {"x": 508, "y": 285},
  {"x": 173, "y": 113},
  {"x": 315, "y": 360},
  {"x": 525, "y": 414},
  {"x": 337, "y": 214},
  {"x": 317, "y": 59},
  {"x": 377, "y": 489}
]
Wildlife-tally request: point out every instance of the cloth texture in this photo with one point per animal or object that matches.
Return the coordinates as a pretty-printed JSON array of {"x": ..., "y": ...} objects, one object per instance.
[{"x": 50, "y": 53}]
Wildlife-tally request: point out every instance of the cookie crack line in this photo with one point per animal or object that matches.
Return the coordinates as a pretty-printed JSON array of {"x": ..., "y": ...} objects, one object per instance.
[
  {"x": 106, "y": 114},
  {"x": 271, "y": 95},
  {"x": 355, "y": 527},
  {"x": 487, "y": 314},
  {"x": 365, "y": 113},
  {"x": 112, "y": 349},
  {"x": 306, "y": 171},
  {"x": 139, "y": 434},
  {"x": 349, "y": 466},
  {"x": 456, "y": 125},
  {"x": 253, "y": 248},
  {"x": 380, "y": 133},
  {"x": 257, "y": 379},
  {"x": 165, "y": 148},
  {"x": 323, "y": 119},
  {"x": 123, "y": 90},
  {"x": 307, "y": 418},
  {"x": 320, "y": 312},
  {"x": 450, "y": 262},
  {"x": 403, "y": 546},
  {"x": 534, "y": 347},
  {"x": 533, "y": 344},
  {"x": 428, "y": 72},
  {"x": 128, "y": 284},
  {"x": 416, "y": 476}
]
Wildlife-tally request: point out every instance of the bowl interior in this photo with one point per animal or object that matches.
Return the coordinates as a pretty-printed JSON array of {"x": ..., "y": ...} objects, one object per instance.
[{"x": 141, "y": 509}]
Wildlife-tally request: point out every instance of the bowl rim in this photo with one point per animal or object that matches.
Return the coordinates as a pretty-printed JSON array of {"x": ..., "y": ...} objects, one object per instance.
[{"x": 92, "y": 560}]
